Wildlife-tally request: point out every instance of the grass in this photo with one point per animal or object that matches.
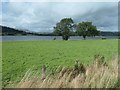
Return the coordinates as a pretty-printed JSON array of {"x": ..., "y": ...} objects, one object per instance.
[
  {"x": 97, "y": 75},
  {"x": 18, "y": 57}
]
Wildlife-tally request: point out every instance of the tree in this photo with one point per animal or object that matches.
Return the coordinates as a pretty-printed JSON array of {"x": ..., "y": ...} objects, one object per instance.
[
  {"x": 64, "y": 28},
  {"x": 92, "y": 31},
  {"x": 86, "y": 29}
]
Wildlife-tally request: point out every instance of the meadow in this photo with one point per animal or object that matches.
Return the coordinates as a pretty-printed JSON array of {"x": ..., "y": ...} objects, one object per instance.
[{"x": 18, "y": 57}]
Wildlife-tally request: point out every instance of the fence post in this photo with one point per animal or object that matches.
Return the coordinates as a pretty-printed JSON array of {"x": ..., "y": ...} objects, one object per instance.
[{"x": 43, "y": 72}]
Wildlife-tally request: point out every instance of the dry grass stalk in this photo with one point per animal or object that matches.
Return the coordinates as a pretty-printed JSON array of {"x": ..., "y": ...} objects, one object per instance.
[{"x": 98, "y": 75}]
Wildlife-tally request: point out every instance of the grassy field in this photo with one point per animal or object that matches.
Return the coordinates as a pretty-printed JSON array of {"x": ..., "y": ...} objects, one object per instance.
[
  {"x": 97, "y": 75},
  {"x": 18, "y": 57}
]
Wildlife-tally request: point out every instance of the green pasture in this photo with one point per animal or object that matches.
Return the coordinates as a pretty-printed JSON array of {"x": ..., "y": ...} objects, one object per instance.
[{"x": 18, "y": 57}]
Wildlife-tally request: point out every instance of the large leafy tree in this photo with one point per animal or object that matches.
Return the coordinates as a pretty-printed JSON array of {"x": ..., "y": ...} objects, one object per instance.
[
  {"x": 64, "y": 27},
  {"x": 86, "y": 29}
]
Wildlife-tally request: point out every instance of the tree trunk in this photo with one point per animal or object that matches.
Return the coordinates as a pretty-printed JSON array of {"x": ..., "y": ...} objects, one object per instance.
[
  {"x": 84, "y": 36},
  {"x": 65, "y": 37}
]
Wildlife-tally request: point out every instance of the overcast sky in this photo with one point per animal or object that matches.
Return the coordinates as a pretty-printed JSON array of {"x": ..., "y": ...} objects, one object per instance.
[{"x": 43, "y": 16}]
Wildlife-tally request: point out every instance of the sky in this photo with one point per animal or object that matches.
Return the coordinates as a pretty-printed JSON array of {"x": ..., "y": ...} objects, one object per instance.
[{"x": 43, "y": 16}]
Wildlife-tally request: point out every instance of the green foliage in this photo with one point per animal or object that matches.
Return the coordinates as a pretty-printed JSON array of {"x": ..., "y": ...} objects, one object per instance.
[
  {"x": 86, "y": 29},
  {"x": 18, "y": 57},
  {"x": 63, "y": 28},
  {"x": 66, "y": 28}
]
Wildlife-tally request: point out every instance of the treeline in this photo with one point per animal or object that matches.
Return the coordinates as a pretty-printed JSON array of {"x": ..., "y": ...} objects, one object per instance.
[
  {"x": 66, "y": 26},
  {"x": 14, "y": 32},
  {"x": 6, "y": 31},
  {"x": 11, "y": 31},
  {"x": 106, "y": 33}
]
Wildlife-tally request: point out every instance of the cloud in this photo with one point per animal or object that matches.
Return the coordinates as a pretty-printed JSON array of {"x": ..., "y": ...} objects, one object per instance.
[
  {"x": 42, "y": 16},
  {"x": 60, "y": 0},
  {"x": 105, "y": 18}
]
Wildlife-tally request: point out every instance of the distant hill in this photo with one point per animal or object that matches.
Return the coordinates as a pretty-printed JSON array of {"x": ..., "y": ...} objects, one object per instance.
[
  {"x": 6, "y": 31},
  {"x": 109, "y": 33},
  {"x": 11, "y": 31}
]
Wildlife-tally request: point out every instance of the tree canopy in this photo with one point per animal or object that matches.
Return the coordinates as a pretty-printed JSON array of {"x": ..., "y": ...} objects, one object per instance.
[
  {"x": 66, "y": 25},
  {"x": 63, "y": 28},
  {"x": 86, "y": 29}
]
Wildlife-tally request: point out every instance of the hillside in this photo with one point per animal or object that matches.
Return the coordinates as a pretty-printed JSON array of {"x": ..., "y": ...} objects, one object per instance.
[
  {"x": 108, "y": 33},
  {"x": 11, "y": 31},
  {"x": 5, "y": 31}
]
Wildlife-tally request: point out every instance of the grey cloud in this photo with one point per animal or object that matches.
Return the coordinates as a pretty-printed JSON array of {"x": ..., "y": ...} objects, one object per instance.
[
  {"x": 43, "y": 16},
  {"x": 106, "y": 17}
]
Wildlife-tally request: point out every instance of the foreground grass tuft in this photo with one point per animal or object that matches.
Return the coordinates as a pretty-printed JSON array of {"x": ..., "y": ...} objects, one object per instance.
[{"x": 97, "y": 75}]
